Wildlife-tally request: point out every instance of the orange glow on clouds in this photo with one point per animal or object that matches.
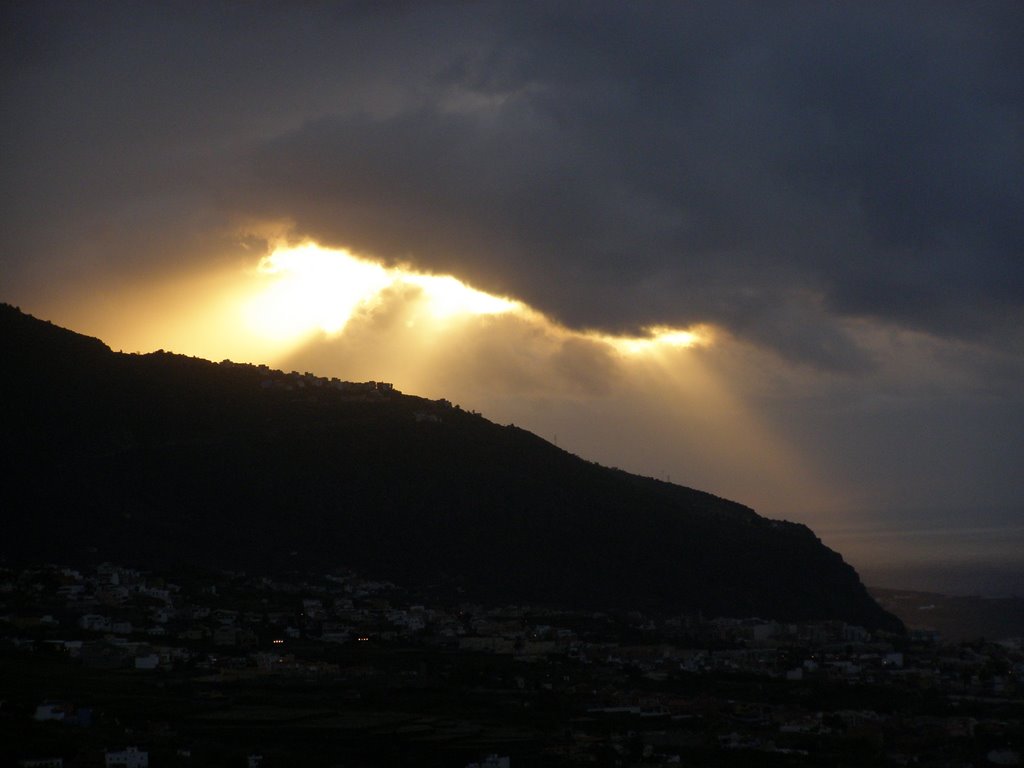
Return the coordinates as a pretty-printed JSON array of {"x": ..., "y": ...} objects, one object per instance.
[
  {"x": 307, "y": 289},
  {"x": 661, "y": 337},
  {"x": 296, "y": 294}
]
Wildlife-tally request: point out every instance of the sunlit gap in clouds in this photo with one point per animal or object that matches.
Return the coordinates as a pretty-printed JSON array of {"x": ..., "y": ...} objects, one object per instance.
[
  {"x": 660, "y": 337},
  {"x": 308, "y": 289}
]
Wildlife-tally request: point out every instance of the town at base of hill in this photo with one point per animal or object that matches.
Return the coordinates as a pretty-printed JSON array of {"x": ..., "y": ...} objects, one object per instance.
[{"x": 105, "y": 665}]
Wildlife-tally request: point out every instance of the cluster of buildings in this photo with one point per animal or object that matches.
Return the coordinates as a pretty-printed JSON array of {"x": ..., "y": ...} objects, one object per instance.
[
  {"x": 270, "y": 378},
  {"x": 633, "y": 687}
]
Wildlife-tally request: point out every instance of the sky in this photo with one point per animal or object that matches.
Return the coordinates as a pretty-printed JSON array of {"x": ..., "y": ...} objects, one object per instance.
[{"x": 774, "y": 251}]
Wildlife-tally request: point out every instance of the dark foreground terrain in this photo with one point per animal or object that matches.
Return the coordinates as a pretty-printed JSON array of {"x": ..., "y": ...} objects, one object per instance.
[{"x": 227, "y": 669}]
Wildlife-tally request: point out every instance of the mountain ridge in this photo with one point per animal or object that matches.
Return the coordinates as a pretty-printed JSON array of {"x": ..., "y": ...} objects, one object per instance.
[{"x": 161, "y": 457}]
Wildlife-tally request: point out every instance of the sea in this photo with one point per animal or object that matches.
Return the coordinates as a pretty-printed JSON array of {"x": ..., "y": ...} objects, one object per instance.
[{"x": 977, "y": 553}]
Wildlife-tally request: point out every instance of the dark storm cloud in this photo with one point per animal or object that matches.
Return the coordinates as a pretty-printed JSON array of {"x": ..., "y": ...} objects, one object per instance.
[{"x": 770, "y": 169}]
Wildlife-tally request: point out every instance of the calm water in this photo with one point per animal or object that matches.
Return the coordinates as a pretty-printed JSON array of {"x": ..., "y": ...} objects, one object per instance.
[{"x": 952, "y": 557}]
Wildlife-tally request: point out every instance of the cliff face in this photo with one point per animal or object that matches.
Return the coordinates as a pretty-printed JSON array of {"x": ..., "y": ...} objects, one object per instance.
[{"x": 161, "y": 458}]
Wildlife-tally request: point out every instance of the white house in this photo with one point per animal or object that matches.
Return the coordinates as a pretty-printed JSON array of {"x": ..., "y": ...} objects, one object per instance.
[
  {"x": 94, "y": 622},
  {"x": 148, "y": 661},
  {"x": 129, "y": 757},
  {"x": 492, "y": 761}
]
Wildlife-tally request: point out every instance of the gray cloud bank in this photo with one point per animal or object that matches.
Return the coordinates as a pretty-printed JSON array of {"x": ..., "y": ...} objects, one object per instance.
[{"x": 772, "y": 168}]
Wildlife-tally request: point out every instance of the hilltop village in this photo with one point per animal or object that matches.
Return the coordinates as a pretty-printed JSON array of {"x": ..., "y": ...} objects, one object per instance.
[
  {"x": 271, "y": 378},
  {"x": 112, "y": 666},
  {"x": 309, "y": 386}
]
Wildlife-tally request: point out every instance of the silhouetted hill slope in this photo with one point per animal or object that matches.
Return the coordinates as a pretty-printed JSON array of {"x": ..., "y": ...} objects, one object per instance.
[{"x": 164, "y": 459}]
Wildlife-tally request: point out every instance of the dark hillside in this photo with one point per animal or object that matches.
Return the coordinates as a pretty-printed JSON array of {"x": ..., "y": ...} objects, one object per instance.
[{"x": 161, "y": 458}]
